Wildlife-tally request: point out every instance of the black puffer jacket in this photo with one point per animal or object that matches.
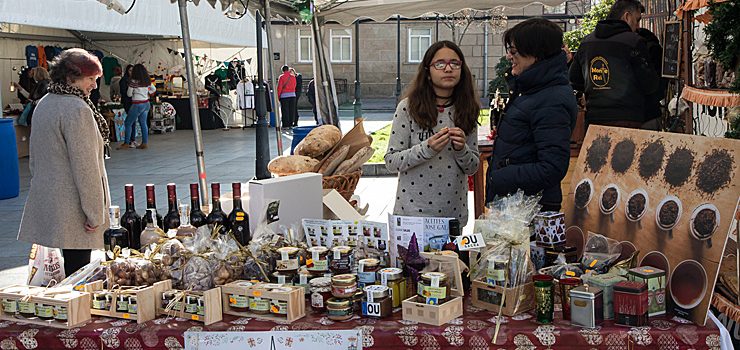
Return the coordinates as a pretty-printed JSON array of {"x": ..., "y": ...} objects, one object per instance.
[
  {"x": 532, "y": 147},
  {"x": 611, "y": 67}
]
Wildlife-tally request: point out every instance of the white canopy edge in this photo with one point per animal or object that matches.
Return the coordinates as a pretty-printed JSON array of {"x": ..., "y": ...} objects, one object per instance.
[
  {"x": 148, "y": 18},
  {"x": 380, "y": 10}
]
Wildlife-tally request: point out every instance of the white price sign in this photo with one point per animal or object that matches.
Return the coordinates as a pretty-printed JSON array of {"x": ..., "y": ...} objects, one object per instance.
[
  {"x": 371, "y": 309},
  {"x": 470, "y": 242}
]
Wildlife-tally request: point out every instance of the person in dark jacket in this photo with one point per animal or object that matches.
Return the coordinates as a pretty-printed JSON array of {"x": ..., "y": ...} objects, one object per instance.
[
  {"x": 125, "y": 99},
  {"x": 298, "y": 93},
  {"x": 311, "y": 95},
  {"x": 653, "y": 111},
  {"x": 611, "y": 67},
  {"x": 532, "y": 147}
]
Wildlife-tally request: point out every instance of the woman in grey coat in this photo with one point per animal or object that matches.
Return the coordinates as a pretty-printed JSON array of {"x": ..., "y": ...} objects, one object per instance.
[{"x": 68, "y": 197}]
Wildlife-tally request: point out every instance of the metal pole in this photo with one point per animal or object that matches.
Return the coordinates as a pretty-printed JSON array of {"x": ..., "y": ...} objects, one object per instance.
[
  {"x": 275, "y": 99},
  {"x": 199, "y": 157},
  {"x": 436, "y": 29},
  {"x": 485, "y": 62},
  {"x": 358, "y": 93},
  {"x": 398, "y": 58},
  {"x": 262, "y": 136}
]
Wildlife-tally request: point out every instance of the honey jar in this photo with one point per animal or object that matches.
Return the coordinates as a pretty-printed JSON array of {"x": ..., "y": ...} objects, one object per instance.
[
  {"x": 318, "y": 263},
  {"x": 433, "y": 288},
  {"x": 238, "y": 302},
  {"x": 259, "y": 305},
  {"x": 201, "y": 308},
  {"x": 377, "y": 301},
  {"x": 168, "y": 297},
  {"x": 191, "y": 304},
  {"x": 27, "y": 309},
  {"x": 344, "y": 286},
  {"x": 366, "y": 272},
  {"x": 393, "y": 278}
]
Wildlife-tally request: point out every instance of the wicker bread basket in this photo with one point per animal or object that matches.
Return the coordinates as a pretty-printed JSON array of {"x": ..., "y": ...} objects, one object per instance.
[{"x": 345, "y": 184}]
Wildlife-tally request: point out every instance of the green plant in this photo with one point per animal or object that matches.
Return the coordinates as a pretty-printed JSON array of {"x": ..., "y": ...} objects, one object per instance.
[
  {"x": 723, "y": 37},
  {"x": 598, "y": 12},
  {"x": 499, "y": 82}
]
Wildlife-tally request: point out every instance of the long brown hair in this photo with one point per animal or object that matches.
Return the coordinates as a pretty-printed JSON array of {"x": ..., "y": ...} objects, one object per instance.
[{"x": 422, "y": 104}]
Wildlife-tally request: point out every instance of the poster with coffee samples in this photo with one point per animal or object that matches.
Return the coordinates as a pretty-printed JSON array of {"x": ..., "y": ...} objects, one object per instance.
[{"x": 670, "y": 196}]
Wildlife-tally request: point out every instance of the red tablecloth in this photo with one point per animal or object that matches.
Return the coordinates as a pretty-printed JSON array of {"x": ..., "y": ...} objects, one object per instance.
[{"x": 473, "y": 331}]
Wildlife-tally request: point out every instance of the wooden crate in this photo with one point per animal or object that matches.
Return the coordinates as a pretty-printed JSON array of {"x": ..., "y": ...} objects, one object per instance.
[
  {"x": 518, "y": 300},
  {"x": 295, "y": 298},
  {"x": 145, "y": 301},
  {"x": 77, "y": 303},
  {"x": 211, "y": 299},
  {"x": 438, "y": 315}
]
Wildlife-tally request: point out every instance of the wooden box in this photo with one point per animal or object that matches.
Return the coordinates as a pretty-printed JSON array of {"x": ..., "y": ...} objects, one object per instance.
[
  {"x": 211, "y": 299},
  {"x": 438, "y": 315},
  {"x": 77, "y": 304},
  {"x": 294, "y": 297},
  {"x": 518, "y": 299},
  {"x": 145, "y": 300}
]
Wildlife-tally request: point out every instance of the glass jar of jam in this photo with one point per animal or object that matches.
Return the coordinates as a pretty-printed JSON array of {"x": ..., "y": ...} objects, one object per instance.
[
  {"x": 320, "y": 292},
  {"x": 45, "y": 312},
  {"x": 366, "y": 272},
  {"x": 60, "y": 313},
  {"x": 279, "y": 307},
  {"x": 191, "y": 304},
  {"x": 344, "y": 286},
  {"x": 281, "y": 278},
  {"x": 26, "y": 308},
  {"x": 496, "y": 272},
  {"x": 169, "y": 297},
  {"x": 377, "y": 301},
  {"x": 101, "y": 301},
  {"x": 318, "y": 262},
  {"x": 341, "y": 260},
  {"x": 201, "y": 308},
  {"x": 433, "y": 288},
  {"x": 239, "y": 302},
  {"x": 339, "y": 309},
  {"x": 393, "y": 278},
  {"x": 301, "y": 280},
  {"x": 288, "y": 263},
  {"x": 10, "y": 306},
  {"x": 122, "y": 303},
  {"x": 259, "y": 305},
  {"x": 133, "y": 307}
]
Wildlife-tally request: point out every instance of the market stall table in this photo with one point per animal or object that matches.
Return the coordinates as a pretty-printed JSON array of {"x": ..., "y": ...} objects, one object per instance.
[
  {"x": 184, "y": 118},
  {"x": 473, "y": 331}
]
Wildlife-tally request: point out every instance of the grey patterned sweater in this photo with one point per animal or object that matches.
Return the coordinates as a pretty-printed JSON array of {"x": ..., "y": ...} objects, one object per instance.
[{"x": 430, "y": 183}]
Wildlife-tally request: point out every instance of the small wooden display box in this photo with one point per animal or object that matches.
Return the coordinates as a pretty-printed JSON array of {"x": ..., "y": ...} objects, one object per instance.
[
  {"x": 295, "y": 299},
  {"x": 211, "y": 302},
  {"x": 145, "y": 302},
  {"x": 518, "y": 299},
  {"x": 438, "y": 315},
  {"x": 77, "y": 304}
]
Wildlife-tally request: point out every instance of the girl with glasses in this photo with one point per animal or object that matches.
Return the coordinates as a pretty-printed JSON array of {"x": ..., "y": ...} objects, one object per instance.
[{"x": 433, "y": 144}]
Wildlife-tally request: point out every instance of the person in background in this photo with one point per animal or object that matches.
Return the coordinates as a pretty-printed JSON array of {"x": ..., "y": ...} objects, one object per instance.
[
  {"x": 25, "y": 84},
  {"x": 125, "y": 99},
  {"x": 611, "y": 68},
  {"x": 532, "y": 147},
  {"x": 311, "y": 94},
  {"x": 95, "y": 94},
  {"x": 653, "y": 111},
  {"x": 115, "y": 87},
  {"x": 69, "y": 184},
  {"x": 286, "y": 92},
  {"x": 140, "y": 88},
  {"x": 433, "y": 143},
  {"x": 40, "y": 77},
  {"x": 298, "y": 93}
]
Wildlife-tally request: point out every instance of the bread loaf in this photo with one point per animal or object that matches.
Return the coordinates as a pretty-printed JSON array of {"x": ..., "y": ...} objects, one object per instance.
[
  {"x": 355, "y": 162},
  {"x": 331, "y": 163},
  {"x": 319, "y": 141},
  {"x": 290, "y": 165}
]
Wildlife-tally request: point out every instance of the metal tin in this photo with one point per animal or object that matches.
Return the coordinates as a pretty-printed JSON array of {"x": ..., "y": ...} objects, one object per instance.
[
  {"x": 586, "y": 306},
  {"x": 656, "y": 282},
  {"x": 544, "y": 298},
  {"x": 631, "y": 304},
  {"x": 606, "y": 283},
  {"x": 566, "y": 284}
]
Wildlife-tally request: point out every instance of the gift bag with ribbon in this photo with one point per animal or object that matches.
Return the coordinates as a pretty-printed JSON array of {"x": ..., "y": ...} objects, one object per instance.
[{"x": 45, "y": 265}]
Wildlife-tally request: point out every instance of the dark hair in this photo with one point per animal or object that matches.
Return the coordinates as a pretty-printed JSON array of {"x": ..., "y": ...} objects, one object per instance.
[
  {"x": 285, "y": 68},
  {"x": 73, "y": 64},
  {"x": 622, "y": 6},
  {"x": 117, "y": 71},
  {"x": 535, "y": 37},
  {"x": 422, "y": 104},
  {"x": 139, "y": 74}
]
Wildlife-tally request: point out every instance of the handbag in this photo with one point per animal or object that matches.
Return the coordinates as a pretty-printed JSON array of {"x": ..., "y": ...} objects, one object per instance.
[{"x": 25, "y": 117}]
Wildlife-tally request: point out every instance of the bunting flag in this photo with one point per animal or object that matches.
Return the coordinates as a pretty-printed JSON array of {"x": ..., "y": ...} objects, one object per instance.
[{"x": 205, "y": 60}]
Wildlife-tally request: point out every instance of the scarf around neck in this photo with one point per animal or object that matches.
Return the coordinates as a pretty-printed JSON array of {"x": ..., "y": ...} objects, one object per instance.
[{"x": 65, "y": 89}]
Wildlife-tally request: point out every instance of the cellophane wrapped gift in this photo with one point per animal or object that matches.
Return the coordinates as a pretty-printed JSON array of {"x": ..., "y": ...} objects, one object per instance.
[{"x": 600, "y": 253}]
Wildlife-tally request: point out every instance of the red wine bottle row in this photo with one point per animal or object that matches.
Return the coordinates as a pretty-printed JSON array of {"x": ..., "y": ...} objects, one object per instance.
[{"x": 237, "y": 221}]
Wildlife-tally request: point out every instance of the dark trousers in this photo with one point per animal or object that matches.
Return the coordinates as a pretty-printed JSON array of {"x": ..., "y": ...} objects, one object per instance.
[
  {"x": 75, "y": 259},
  {"x": 313, "y": 109},
  {"x": 288, "y": 106}
]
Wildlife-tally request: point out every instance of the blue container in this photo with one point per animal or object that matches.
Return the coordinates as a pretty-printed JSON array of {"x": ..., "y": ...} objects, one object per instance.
[
  {"x": 272, "y": 120},
  {"x": 9, "y": 178},
  {"x": 299, "y": 133}
]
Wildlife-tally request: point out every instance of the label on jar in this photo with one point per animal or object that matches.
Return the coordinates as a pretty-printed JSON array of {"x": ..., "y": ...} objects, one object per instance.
[
  {"x": 338, "y": 312},
  {"x": 259, "y": 304},
  {"x": 495, "y": 277},
  {"x": 344, "y": 290},
  {"x": 370, "y": 309},
  {"x": 318, "y": 265},
  {"x": 10, "y": 306},
  {"x": 303, "y": 280},
  {"x": 191, "y": 308},
  {"x": 365, "y": 278},
  {"x": 132, "y": 308},
  {"x": 287, "y": 264},
  {"x": 44, "y": 311},
  {"x": 122, "y": 305},
  {"x": 317, "y": 300},
  {"x": 26, "y": 307},
  {"x": 60, "y": 312},
  {"x": 238, "y": 301},
  {"x": 279, "y": 307},
  {"x": 200, "y": 310},
  {"x": 384, "y": 279},
  {"x": 99, "y": 304},
  {"x": 432, "y": 292},
  {"x": 435, "y": 281},
  {"x": 281, "y": 279}
]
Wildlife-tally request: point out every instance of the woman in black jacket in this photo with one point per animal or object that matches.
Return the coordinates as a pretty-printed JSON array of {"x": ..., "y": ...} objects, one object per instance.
[{"x": 532, "y": 147}]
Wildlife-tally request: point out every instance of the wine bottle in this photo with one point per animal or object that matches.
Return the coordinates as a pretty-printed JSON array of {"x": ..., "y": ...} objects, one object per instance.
[
  {"x": 216, "y": 216},
  {"x": 172, "y": 219},
  {"x": 152, "y": 233},
  {"x": 185, "y": 229},
  {"x": 151, "y": 203},
  {"x": 197, "y": 217},
  {"x": 131, "y": 220},
  {"x": 115, "y": 235},
  {"x": 238, "y": 218}
]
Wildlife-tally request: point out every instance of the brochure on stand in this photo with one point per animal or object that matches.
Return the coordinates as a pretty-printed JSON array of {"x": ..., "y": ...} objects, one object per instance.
[{"x": 432, "y": 233}]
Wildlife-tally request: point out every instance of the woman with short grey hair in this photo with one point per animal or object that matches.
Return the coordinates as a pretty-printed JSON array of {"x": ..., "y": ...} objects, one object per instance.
[{"x": 68, "y": 198}]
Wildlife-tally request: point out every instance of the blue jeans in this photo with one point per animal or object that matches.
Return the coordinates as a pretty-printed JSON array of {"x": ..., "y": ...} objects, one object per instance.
[{"x": 140, "y": 112}]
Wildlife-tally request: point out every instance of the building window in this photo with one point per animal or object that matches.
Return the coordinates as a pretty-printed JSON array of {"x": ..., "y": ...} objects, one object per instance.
[
  {"x": 341, "y": 45},
  {"x": 419, "y": 40},
  {"x": 554, "y": 10},
  {"x": 305, "y": 46}
]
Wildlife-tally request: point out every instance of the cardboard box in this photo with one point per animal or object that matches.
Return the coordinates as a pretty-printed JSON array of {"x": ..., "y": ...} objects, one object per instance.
[
  {"x": 518, "y": 299},
  {"x": 211, "y": 298},
  {"x": 77, "y": 304},
  {"x": 145, "y": 301},
  {"x": 300, "y": 197},
  {"x": 438, "y": 315},
  {"x": 293, "y": 296},
  {"x": 22, "y": 139}
]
